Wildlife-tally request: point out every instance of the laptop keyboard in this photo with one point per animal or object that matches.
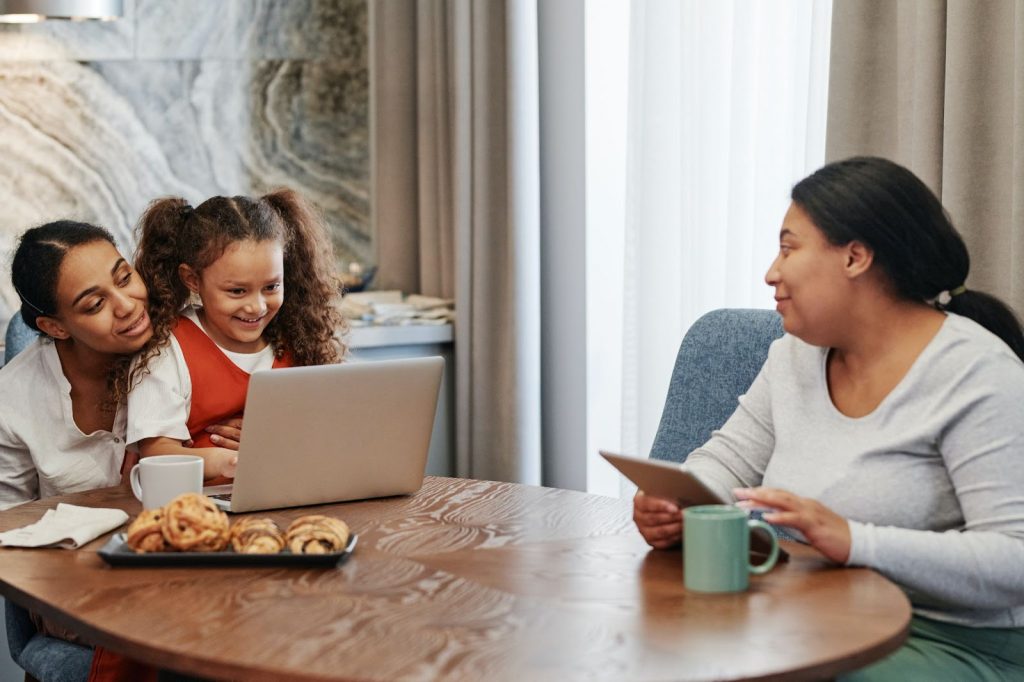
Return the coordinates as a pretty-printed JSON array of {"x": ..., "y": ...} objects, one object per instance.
[{"x": 223, "y": 496}]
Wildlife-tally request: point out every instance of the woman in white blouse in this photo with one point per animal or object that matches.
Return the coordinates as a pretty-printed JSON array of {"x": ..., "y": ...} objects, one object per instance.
[
  {"x": 85, "y": 298},
  {"x": 62, "y": 412}
]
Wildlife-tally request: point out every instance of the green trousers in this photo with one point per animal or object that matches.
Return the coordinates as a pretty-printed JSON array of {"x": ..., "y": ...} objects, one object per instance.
[{"x": 936, "y": 652}]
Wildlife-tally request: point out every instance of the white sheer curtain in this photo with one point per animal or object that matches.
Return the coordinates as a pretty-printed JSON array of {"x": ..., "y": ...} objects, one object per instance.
[{"x": 726, "y": 110}]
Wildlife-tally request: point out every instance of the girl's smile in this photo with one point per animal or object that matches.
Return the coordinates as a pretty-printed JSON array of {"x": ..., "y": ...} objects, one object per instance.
[
  {"x": 251, "y": 320},
  {"x": 241, "y": 293}
]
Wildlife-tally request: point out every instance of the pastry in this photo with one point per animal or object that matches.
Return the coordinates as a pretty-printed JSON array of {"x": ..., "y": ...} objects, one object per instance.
[
  {"x": 253, "y": 535},
  {"x": 317, "y": 534},
  {"x": 193, "y": 523},
  {"x": 145, "y": 534}
]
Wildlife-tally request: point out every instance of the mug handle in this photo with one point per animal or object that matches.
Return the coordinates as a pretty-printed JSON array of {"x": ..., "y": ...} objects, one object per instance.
[
  {"x": 133, "y": 478},
  {"x": 773, "y": 556}
]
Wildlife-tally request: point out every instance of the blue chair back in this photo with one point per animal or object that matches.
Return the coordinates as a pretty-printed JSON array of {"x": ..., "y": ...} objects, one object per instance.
[
  {"x": 718, "y": 359},
  {"x": 46, "y": 659},
  {"x": 17, "y": 337}
]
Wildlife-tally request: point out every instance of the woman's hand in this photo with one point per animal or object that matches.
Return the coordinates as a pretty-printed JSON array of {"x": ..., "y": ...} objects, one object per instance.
[
  {"x": 227, "y": 434},
  {"x": 658, "y": 520},
  {"x": 827, "y": 532}
]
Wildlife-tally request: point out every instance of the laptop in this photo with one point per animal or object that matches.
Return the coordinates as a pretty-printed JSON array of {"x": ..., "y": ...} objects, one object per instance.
[{"x": 332, "y": 433}]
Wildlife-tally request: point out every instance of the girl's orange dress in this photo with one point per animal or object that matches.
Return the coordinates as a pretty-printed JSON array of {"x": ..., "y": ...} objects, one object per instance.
[{"x": 219, "y": 386}]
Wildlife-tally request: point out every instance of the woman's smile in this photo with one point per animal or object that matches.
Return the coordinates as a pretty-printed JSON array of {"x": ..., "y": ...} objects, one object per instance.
[{"x": 140, "y": 325}]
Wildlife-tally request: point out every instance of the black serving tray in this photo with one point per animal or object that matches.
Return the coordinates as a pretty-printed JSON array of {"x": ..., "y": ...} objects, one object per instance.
[{"x": 117, "y": 553}]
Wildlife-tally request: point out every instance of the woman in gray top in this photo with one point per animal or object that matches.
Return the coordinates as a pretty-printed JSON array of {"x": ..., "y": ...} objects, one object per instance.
[{"x": 887, "y": 425}]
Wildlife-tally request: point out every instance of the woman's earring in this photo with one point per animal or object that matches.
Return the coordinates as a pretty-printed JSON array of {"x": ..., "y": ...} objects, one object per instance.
[{"x": 194, "y": 300}]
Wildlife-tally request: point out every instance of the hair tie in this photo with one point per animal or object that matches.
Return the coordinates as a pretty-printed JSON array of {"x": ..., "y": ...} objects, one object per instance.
[
  {"x": 186, "y": 211},
  {"x": 944, "y": 297},
  {"x": 27, "y": 302}
]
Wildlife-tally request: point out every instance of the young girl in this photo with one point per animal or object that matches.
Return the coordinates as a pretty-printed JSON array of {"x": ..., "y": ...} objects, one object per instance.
[{"x": 262, "y": 271}]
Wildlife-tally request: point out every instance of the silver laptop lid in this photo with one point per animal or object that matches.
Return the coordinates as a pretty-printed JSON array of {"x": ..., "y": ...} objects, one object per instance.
[{"x": 332, "y": 433}]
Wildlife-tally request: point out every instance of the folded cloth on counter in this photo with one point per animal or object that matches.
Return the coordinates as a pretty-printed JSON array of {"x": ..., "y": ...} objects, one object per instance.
[
  {"x": 392, "y": 308},
  {"x": 67, "y": 526}
]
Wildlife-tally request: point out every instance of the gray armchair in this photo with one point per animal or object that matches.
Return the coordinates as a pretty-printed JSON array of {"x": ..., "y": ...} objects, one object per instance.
[
  {"x": 718, "y": 359},
  {"x": 46, "y": 659}
]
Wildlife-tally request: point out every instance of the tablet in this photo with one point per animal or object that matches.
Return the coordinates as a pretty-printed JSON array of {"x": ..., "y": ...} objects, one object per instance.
[
  {"x": 670, "y": 480},
  {"x": 673, "y": 481}
]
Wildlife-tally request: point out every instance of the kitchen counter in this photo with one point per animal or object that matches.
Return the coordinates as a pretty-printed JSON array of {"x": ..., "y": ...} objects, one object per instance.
[{"x": 376, "y": 336}]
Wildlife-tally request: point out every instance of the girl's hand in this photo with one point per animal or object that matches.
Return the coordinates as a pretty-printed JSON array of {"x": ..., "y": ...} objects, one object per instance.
[
  {"x": 658, "y": 520},
  {"x": 216, "y": 461},
  {"x": 227, "y": 434},
  {"x": 827, "y": 532},
  {"x": 220, "y": 462}
]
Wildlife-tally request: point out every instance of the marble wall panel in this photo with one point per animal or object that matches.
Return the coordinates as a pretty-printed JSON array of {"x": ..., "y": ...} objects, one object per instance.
[
  {"x": 255, "y": 29},
  {"x": 71, "y": 147},
  {"x": 303, "y": 29},
  {"x": 187, "y": 29},
  {"x": 82, "y": 41},
  {"x": 226, "y": 97},
  {"x": 306, "y": 107}
]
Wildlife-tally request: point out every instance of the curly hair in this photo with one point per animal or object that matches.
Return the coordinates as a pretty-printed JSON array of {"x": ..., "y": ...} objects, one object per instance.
[
  {"x": 171, "y": 233},
  {"x": 35, "y": 270}
]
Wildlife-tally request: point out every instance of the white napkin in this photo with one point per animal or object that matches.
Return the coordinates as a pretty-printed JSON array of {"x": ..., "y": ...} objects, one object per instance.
[{"x": 67, "y": 526}]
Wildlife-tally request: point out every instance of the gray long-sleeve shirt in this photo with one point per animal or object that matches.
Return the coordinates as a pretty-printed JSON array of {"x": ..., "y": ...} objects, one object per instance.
[{"x": 932, "y": 481}]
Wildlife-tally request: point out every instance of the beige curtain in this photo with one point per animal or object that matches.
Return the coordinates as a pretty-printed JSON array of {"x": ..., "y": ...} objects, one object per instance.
[
  {"x": 939, "y": 87},
  {"x": 455, "y": 181}
]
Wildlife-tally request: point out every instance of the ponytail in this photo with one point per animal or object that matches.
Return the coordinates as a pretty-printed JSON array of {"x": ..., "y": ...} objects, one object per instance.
[
  {"x": 990, "y": 313},
  {"x": 309, "y": 322},
  {"x": 163, "y": 237},
  {"x": 886, "y": 207}
]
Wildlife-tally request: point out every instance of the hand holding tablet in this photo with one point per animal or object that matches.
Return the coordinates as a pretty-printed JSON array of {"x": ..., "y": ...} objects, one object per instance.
[
  {"x": 669, "y": 480},
  {"x": 674, "y": 482}
]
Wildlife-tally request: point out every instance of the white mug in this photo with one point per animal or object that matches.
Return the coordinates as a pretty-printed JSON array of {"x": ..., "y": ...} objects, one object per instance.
[{"x": 159, "y": 479}]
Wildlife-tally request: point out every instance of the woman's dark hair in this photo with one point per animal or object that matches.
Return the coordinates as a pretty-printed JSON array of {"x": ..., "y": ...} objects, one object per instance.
[
  {"x": 37, "y": 261},
  {"x": 172, "y": 233},
  {"x": 886, "y": 207},
  {"x": 35, "y": 271}
]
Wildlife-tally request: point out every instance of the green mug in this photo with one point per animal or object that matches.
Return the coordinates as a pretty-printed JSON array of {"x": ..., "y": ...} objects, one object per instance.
[{"x": 716, "y": 548}]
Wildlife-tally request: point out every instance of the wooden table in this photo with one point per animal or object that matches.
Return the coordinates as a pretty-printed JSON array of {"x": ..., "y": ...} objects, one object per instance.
[{"x": 465, "y": 580}]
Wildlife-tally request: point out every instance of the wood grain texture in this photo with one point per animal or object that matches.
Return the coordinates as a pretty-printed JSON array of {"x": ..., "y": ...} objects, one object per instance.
[{"x": 465, "y": 580}]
